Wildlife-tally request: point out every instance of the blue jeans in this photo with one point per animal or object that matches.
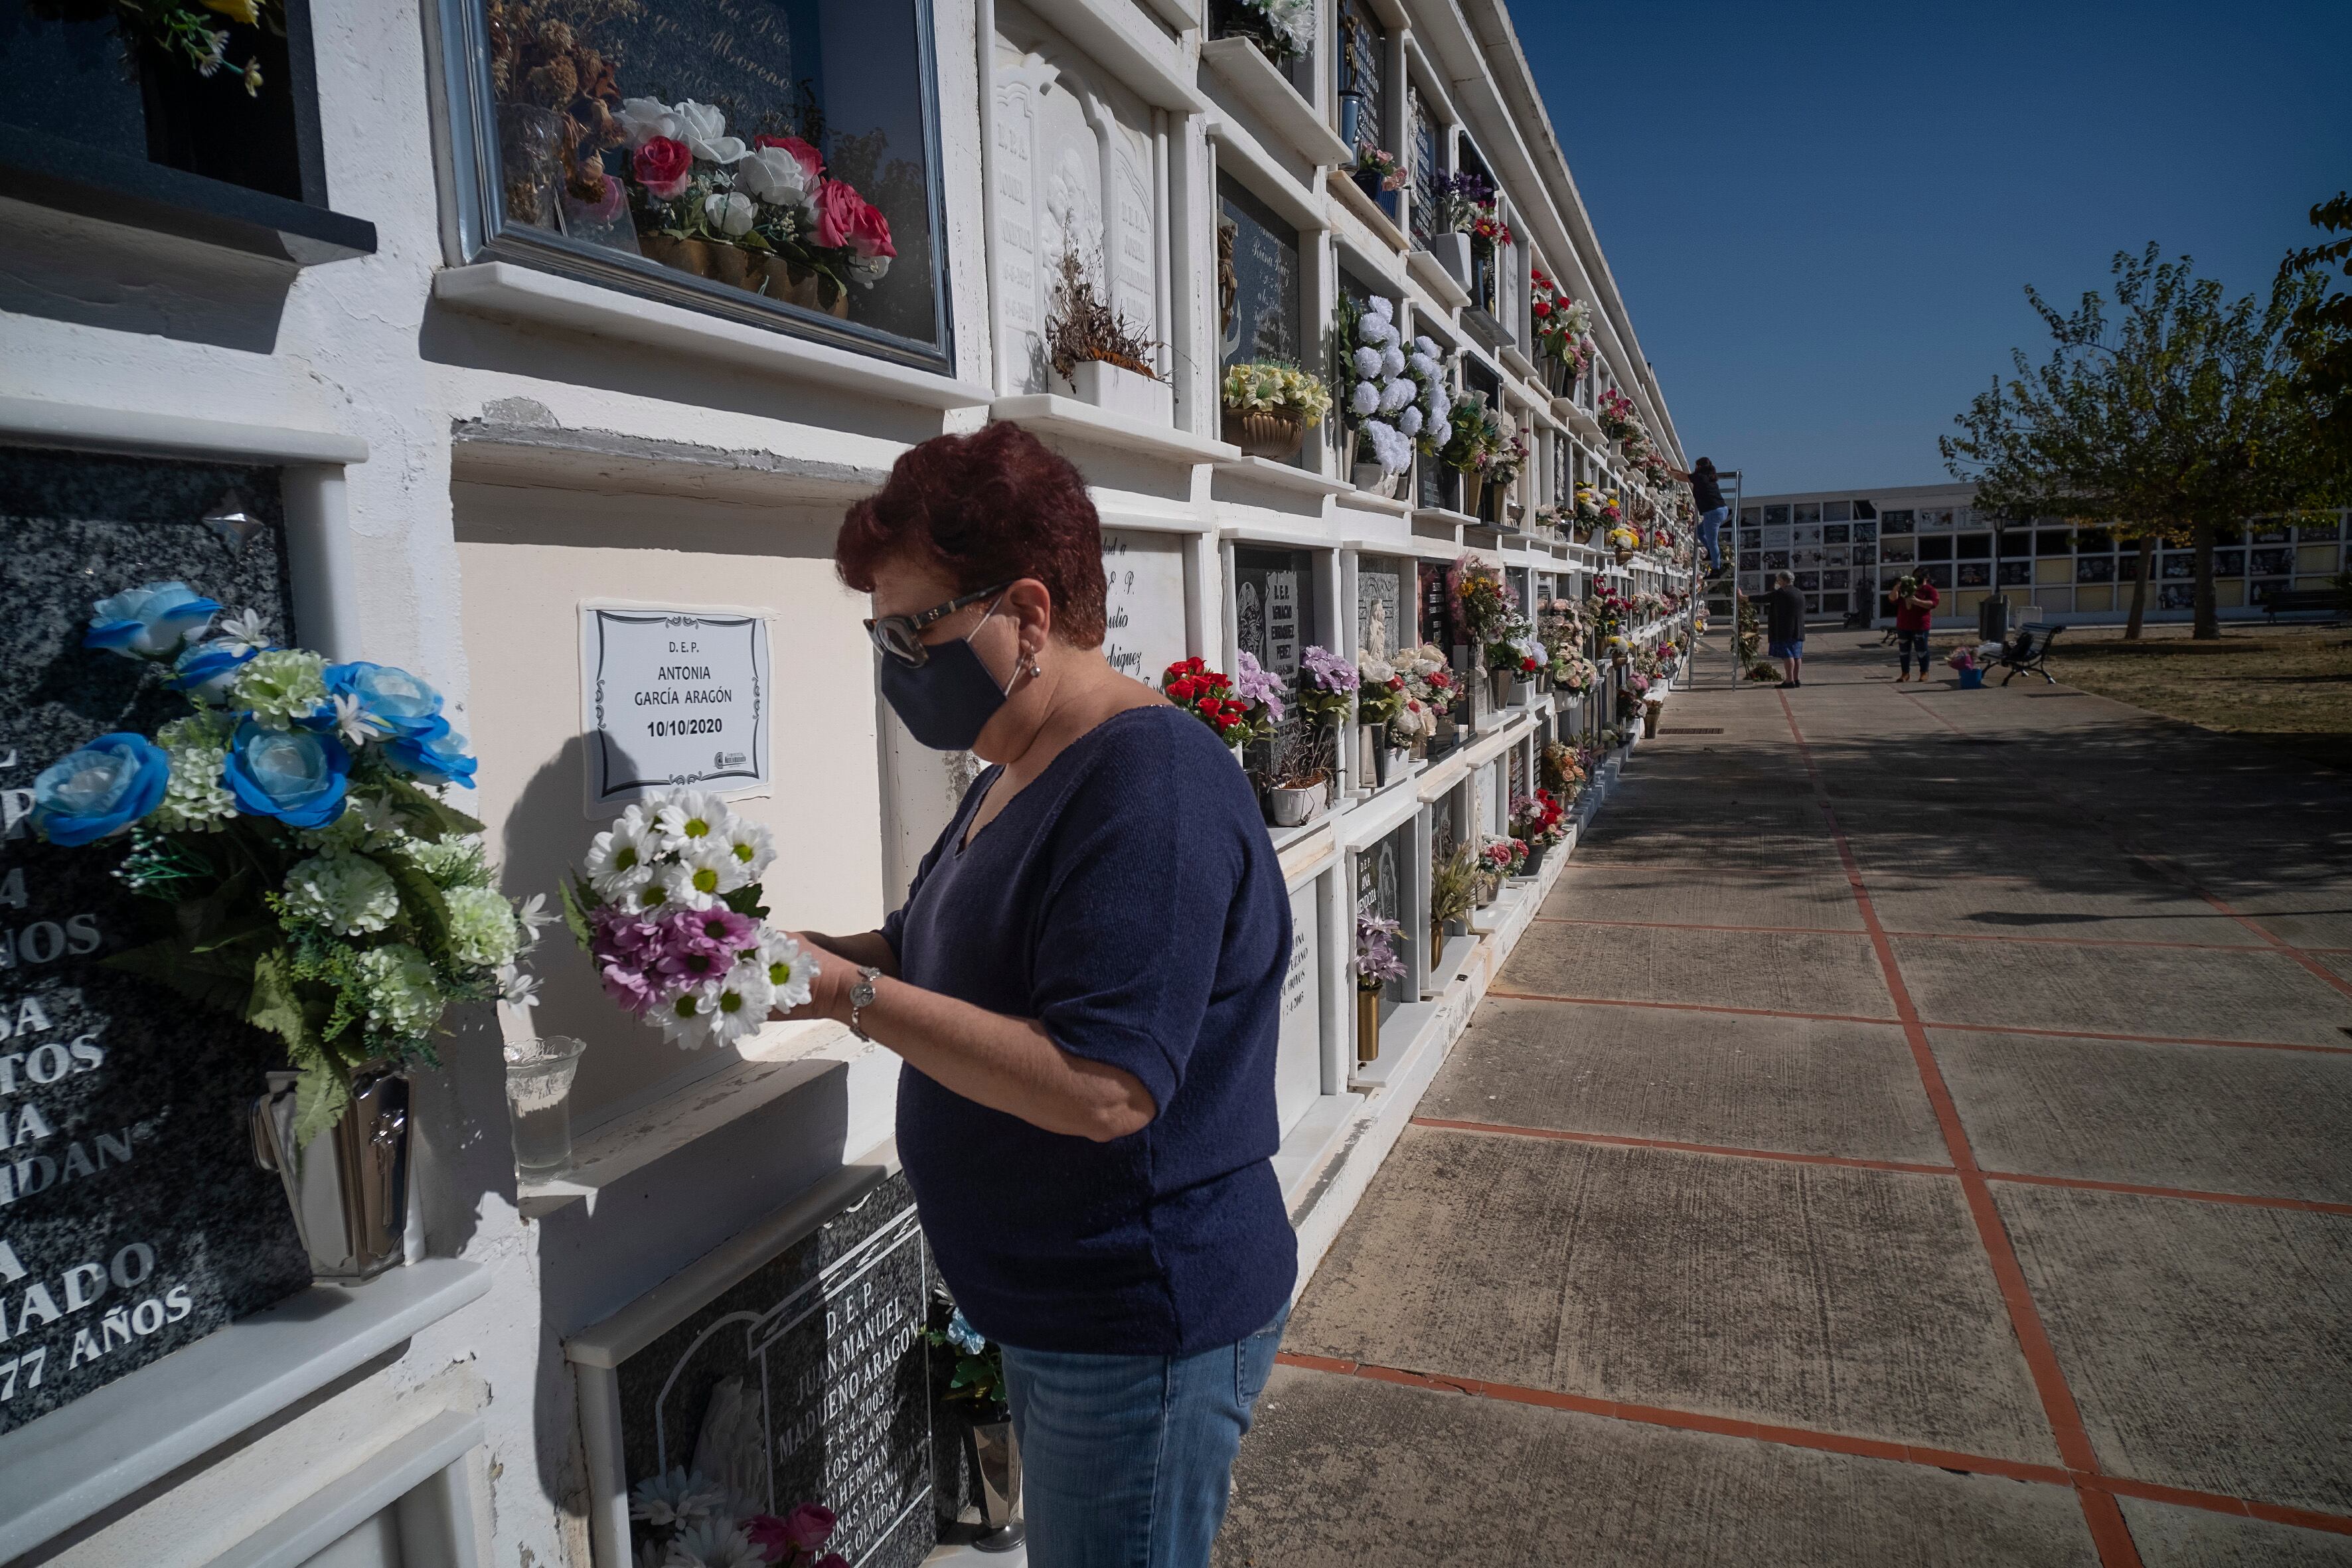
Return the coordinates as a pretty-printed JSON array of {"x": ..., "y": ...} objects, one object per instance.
[
  {"x": 1711, "y": 523},
  {"x": 1126, "y": 1459}
]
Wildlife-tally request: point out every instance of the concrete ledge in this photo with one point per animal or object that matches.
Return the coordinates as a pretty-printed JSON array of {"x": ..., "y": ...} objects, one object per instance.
[
  {"x": 38, "y": 421},
  {"x": 75, "y": 1462}
]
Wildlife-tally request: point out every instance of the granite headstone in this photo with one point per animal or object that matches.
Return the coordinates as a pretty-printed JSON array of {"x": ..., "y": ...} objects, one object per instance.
[
  {"x": 133, "y": 1218},
  {"x": 806, "y": 1382}
]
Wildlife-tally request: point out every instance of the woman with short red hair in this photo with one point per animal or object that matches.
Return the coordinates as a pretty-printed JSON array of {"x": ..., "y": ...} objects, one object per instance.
[{"x": 1085, "y": 985}]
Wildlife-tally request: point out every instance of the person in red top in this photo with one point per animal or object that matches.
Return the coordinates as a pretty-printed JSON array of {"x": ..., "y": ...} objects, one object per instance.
[{"x": 1915, "y": 606}]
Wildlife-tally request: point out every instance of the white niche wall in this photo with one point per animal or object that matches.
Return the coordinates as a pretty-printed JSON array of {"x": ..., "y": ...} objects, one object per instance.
[{"x": 1080, "y": 161}]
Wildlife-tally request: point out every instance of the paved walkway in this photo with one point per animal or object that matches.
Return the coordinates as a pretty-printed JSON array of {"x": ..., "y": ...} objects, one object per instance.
[{"x": 1915, "y": 1131}]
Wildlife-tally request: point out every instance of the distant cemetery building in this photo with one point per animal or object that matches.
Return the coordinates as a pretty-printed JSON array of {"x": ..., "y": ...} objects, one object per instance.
[{"x": 1848, "y": 547}]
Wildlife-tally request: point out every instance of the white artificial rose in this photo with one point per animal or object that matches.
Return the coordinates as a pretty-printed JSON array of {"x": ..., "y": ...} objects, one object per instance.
[
  {"x": 775, "y": 175},
  {"x": 643, "y": 118},
  {"x": 731, "y": 212},
  {"x": 704, "y": 131}
]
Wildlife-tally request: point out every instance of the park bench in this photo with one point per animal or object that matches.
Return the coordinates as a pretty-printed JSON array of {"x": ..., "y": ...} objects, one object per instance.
[
  {"x": 2304, "y": 601},
  {"x": 2028, "y": 653}
]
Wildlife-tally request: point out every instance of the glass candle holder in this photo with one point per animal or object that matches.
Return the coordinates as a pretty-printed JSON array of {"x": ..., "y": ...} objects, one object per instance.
[{"x": 538, "y": 1097}]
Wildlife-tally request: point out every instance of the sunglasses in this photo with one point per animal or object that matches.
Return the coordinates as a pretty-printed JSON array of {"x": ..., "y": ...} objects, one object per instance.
[{"x": 901, "y": 637}]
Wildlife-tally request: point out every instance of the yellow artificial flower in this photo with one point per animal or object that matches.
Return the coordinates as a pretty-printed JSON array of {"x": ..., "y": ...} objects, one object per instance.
[{"x": 245, "y": 11}]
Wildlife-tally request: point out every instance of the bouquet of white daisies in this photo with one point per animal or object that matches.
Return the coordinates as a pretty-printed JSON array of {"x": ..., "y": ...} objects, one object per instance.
[{"x": 668, "y": 906}]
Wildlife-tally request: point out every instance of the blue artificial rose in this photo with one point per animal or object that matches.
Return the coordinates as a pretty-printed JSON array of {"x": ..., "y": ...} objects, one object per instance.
[
  {"x": 150, "y": 621},
  {"x": 399, "y": 703},
  {"x": 438, "y": 756},
  {"x": 103, "y": 788},
  {"x": 293, "y": 776},
  {"x": 204, "y": 669}
]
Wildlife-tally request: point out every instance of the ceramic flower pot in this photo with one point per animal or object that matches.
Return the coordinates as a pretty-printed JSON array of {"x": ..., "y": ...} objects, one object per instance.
[
  {"x": 1296, "y": 807},
  {"x": 349, "y": 1187},
  {"x": 1373, "y": 480},
  {"x": 1367, "y": 1026},
  {"x": 807, "y": 288},
  {"x": 1260, "y": 433},
  {"x": 1115, "y": 389}
]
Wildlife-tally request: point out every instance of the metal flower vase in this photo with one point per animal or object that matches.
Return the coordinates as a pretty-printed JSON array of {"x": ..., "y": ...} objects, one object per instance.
[
  {"x": 1367, "y": 1026},
  {"x": 348, "y": 1189},
  {"x": 995, "y": 1455}
]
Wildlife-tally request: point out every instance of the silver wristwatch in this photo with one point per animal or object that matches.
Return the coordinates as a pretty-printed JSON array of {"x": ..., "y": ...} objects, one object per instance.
[{"x": 861, "y": 995}]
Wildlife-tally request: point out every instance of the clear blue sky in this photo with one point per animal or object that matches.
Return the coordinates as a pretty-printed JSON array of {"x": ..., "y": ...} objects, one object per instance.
[{"x": 1822, "y": 216}]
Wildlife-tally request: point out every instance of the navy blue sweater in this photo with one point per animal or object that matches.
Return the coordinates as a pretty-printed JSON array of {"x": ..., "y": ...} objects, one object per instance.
[{"x": 1130, "y": 901}]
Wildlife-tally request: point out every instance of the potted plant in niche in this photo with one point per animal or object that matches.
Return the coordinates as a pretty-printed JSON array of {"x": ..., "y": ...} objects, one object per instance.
[
  {"x": 1474, "y": 446},
  {"x": 968, "y": 1390},
  {"x": 311, "y": 880},
  {"x": 1563, "y": 329},
  {"x": 1513, "y": 660},
  {"x": 1327, "y": 690},
  {"x": 1297, "y": 786},
  {"x": 1284, "y": 30},
  {"x": 1237, "y": 716},
  {"x": 1537, "y": 821},
  {"x": 1463, "y": 199},
  {"x": 1268, "y": 406},
  {"x": 1498, "y": 860},
  {"x": 1376, "y": 173},
  {"x": 1452, "y": 893},
  {"x": 1097, "y": 355},
  {"x": 1376, "y": 963}
]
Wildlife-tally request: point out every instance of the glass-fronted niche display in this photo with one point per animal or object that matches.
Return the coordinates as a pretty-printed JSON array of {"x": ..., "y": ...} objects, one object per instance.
[{"x": 773, "y": 159}]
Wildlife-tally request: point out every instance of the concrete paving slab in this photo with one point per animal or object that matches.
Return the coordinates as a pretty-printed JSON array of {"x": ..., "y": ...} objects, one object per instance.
[
  {"x": 2256, "y": 995},
  {"x": 1814, "y": 895},
  {"x": 2206, "y": 1344},
  {"x": 2169, "y": 1537},
  {"x": 1345, "y": 1473},
  {"x": 1810, "y": 1296},
  {"x": 1783, "y": 971},
  {"x": 2138, "y": 910},
  {"x": 2266, "y": 1122},
  {"x": 1786, "y": 1084}
]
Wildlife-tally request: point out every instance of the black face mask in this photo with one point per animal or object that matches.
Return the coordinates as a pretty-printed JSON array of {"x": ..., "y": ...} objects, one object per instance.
[{"x": 948, "y": 700}]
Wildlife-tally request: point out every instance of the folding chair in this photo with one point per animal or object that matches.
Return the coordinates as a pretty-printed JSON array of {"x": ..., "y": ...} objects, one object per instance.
[{"x": 2028, "y": 653}]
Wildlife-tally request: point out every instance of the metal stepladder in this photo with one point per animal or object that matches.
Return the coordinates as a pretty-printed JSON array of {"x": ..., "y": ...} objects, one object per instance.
[{"x": 1726, "y": 540}]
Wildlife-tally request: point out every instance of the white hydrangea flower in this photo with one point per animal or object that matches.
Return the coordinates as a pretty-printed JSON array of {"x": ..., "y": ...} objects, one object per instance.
[
  {"x": 348, "y": 894},
  {"x": 1426, "y": 345},
  {"x": 1396, "y": 395},
  {"x": 1391, "y": 361},
  {"x": 1409, "y": 420},
  {"x": 403, "y": 999},
  {"x": 1422, "y": 364},
  {"x": 691, "y": 814},
  {"x": 456, "y": 861},
  {"x": 1366, "y": 362},
  {"x": 621, "y": 860},
  {"x": 1380, "y": 307},
  {"x": 482, "y": 931},
  {"x": 281, "y": 685},
  {"x": 1364, "y": 399},
  {"x": 194, "y": 800},
  {"x": 789, "y": 968}
]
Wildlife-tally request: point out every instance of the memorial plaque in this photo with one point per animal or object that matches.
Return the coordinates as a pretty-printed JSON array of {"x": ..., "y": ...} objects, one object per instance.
[
  {"x": 1298, "y": 1049},
  {"x": 806, "y": 1382},
  {"x": 1436, "y": 606},
  {"x": 1381, "y": 627},
  {"x": 672, "y": 697},
  {"x": 133, "y": 1218},
  {"x": 1144, "y": 612},
  {"x": 1273, "y": 614}
]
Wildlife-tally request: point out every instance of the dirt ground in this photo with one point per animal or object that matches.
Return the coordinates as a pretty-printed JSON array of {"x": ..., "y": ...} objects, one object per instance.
[{"x": 2290, "y": 686}]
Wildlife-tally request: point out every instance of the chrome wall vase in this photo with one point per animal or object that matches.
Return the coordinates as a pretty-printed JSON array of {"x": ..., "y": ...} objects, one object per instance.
[{"x": 349, "y": 1190}]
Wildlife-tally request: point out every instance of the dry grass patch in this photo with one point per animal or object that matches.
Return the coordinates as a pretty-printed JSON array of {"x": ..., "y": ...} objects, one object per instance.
[{"x": 2289, "y": 687}]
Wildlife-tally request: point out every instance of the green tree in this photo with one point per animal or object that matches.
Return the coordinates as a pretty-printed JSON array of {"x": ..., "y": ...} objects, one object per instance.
[
  {"x": 2319, "y": 335},
  {"x": 2176, "y": 420}
]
